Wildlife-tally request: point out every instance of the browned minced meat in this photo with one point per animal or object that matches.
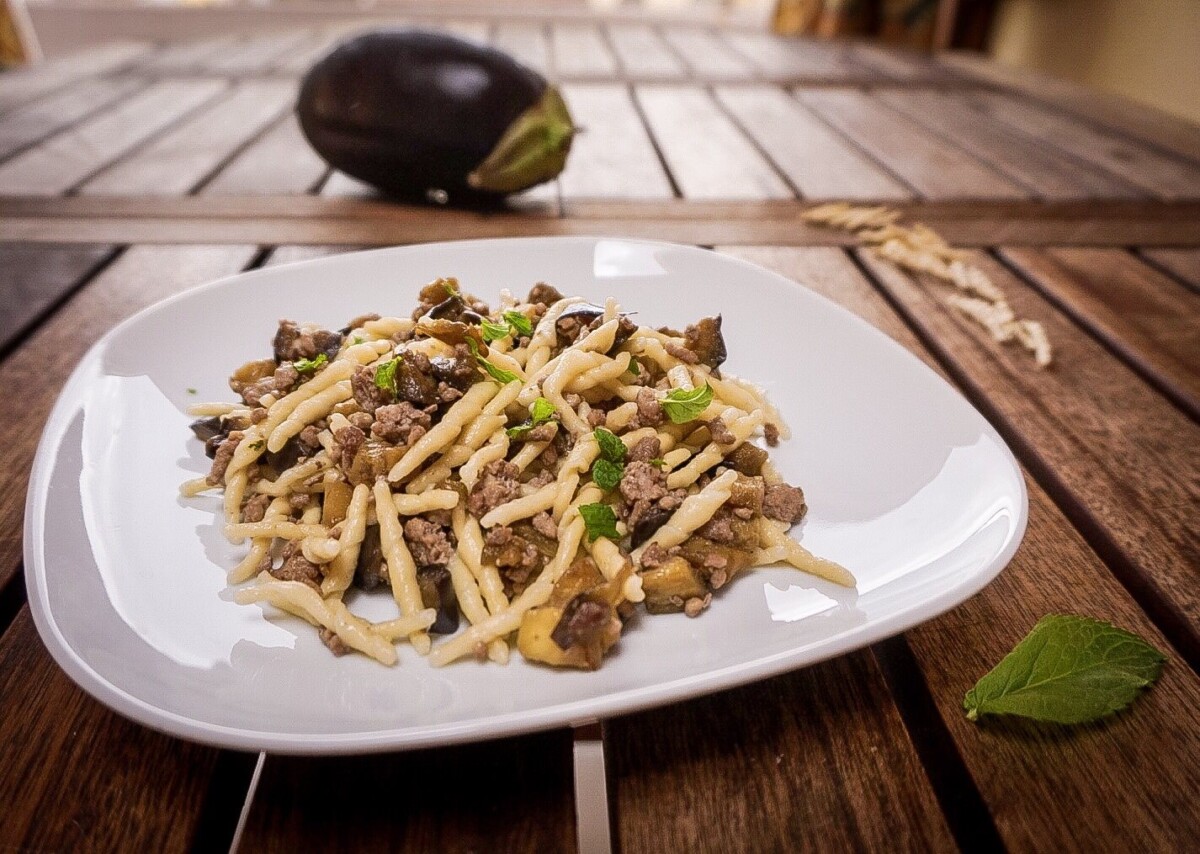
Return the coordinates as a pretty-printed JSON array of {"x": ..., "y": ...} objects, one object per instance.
[
  {"x": 447, "y": 393},
  {"x": 292, "y": 343},
  {"x": 516, "y": 557},
  {"x": 682, "y": 353},
  {"x": 582, "y": 619},
  {"x": 296, "y": 567},
  {"x": 222, "y": 457},
  {"x": 366, "y": 394},
  {"x": 720, "y": 433},
  {"x": 336, "y": 645},
  {"x": 401, "y": 423},
  {"x": 497, "y": 485},
  {"x": 695, "y": 605},
  {"x": 647, "y": 448},
  {"x": 544, "y": 524},
  {"x": 278, "y": 384},
  {"x": 428, "y": 542},
  {"x": 569, "y": 329},
  {"x": 644, "y": 489},
  {"x": 649, "y": 410},
  {"x": 258, "y": 415},
  {"x": 719, "y": 528},
  {"x": 361, "y": 420},
  {"x": 783, "y": 502},
  {"x": 309, "y": 439},
  {"x": 541, "y": 433},
  {"x": 460, "y": 371},
  {"x": 597, "y": 417},
  {"x": 654, "y": 556},
  {"x": 350, "y": 439},
  {"x": 544, "y": 294},
  {"x": 771, "y": 432},
  {"x": 542, "y": 478},
  {"x": 256, "y": 508},
  {"x": 439, "y": 517},
  {"x": 299, "y": 501}
]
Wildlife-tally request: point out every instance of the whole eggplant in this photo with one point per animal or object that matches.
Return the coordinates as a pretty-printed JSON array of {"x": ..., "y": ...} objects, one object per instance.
[{"x": 428, "y": 115}]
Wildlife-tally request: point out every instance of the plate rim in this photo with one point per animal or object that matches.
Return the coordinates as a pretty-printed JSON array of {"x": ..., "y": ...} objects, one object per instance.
[{"x": 508, "y": 724}]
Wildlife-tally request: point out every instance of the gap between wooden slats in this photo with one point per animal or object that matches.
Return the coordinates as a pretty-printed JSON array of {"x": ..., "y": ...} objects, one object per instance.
[
  {"x": 643, "y": 54},
  {"x": 36, "y": 120},
  {"x": 580, "y": 50},
  {"x": 1183, "y": 264},
  {"x": 709, "y": 57},
  {"x": 280, "y": 162},
  {"x": 26, "y": 84}
]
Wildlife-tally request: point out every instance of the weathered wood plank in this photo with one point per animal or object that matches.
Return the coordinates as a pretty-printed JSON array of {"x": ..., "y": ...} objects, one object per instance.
[
  {"x": 709, "y": 57},
  {"x": 280, "y": 162},
  {"x": 1150, "y": 320},
  {"x": 1046, "y": 171},
  {"x": 707, "y": 155},
  {"x": 257, "y": 53},
  {"x": 68, "y": 158},
  {"x": 188, "y": 56},
  {"x": 180, "y": 159},
  {"x": 25, "y": 125},
  {"x": 821, "y": 163},
  {"x": 35, "y": 277},
  {"x": 1182, "y": 263},
  {"x": 780, "y": 58},
  {"x": 28, "y": 83},
  {"x": 525, "y": 42},
  {"x": 509, "y": 795},
  {"x": 643, "y": 54},
  {"x": 580, "y": 51},
  {"x": 613, "y": 156},
  {"x": 934, "y": 167}
]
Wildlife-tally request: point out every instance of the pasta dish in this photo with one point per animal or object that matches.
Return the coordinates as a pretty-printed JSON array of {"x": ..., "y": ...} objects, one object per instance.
[{"x": 527, "y": 475}]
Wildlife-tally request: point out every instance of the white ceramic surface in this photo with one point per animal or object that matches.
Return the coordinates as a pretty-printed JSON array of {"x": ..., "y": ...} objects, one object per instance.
[{"x": 908, "y": 487}]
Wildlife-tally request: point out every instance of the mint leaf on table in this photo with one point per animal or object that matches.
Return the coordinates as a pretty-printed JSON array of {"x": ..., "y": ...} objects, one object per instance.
[
  {"x": 682, "y": 405},
  {"x": 600, "y": 521},
  {"x": 1067, "y": 670}
]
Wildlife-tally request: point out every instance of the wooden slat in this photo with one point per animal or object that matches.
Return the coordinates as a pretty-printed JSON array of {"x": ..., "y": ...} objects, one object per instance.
[
  {"x": 279, "y": 162},
  {"x": 643, "y": 54},
  {"x": 27, "y": 84},
  {"x": 580, "y": 51},
  {"x": 1183, "y": 263},
  {"x": 257, "y": 53},
  {"x": 43, "y": 117},
  {"x": 1040, "y": 783},
  {"x": 1164, "y": 176},
  {"x": 709, "y": 57},
  {"x": 706, "y": 153},
  {"x": 510, "y": 795},
  {"x": 1046, "y": 171},
  {"x": 613, "y": 156},
  {"x": 66, "y": 159},
  {"x": 779, "y": 58},
  {"x": 175, "y": 162},
  {"x": 78, "y": 777},
  {"x": 1114, "y": 453},
  {"x": 36, "y": 277},
  {"x": 472, "y": 31},
  {"x": 814, "y": 761},
  {"x": 293, "y": 254},
  {"x": 140, "y": 276},
  {"x": 937, "y": 169},
  {"x": 188, "y": 56},
  {"x": 1152, "y": 321},
  {"x": 302, "y": 58},
  {"x": 897, "y": 62},
  {"x": 821, "y": 163},
  {"x": 526, "y": 43}
]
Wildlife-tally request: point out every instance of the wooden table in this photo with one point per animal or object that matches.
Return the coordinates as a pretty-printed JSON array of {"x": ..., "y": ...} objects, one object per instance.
[{"x": 134, "y": 171}]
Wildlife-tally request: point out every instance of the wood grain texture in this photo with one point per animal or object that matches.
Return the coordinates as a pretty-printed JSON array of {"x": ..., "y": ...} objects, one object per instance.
[
  {"x": 643, "y": 54},
  {"x": 509, "y": 795},
  {"x": 256, "y": 54},
  {"x": 794, "y": 58},
  {"x": 1184, "y": 264},
  {"x": 78, "y": 777},
  {"x": 816, "y": 760},
  {"x": 709, "y": 157},
  {"x": 820, "y": 163},
  {"x": 28, "y": 83},
  {"x": 708, "y": 56},
  {"x": 525, "y": 42},
  {"x": 34, "y": 278},
  {"x": 39, "y": 119},
  {"x": 580, "y": 51},
  {"x": 1147, "y": 318},
  {"x": 68, "y": 158},
  {"x": 179, "y": 160},
  {"x": 139, "y": 277},
  {"x": 280, "y": 162},
  {"x": 1048, "y": 172},
  {"x": 1165, "y": 176},
  {"x": 1116, "y": 455},
  {"x": 612, "y": 157},
  {"x": 188, "y": 56},
  {"x": 931, "y": 165},
  {"x": 1041, "y": 784}
]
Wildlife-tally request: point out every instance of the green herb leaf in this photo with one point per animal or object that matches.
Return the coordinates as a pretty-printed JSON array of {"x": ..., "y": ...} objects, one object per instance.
[
  {"x": 451, "y": 287},
  {"x": 600, "y": 521},
  {"x": 658, "y": 462},
  {"x": 358, "y": 339},
  {"x": 307, "y": 366},
  {"x": 191, "y": 391},
  {"x": 385, "y": 375},
  {"x": 540, "y": 411},
  {"x": 606, "y": 474},
  {"x": 520, "y": 323},
  {"x": 498, "y": 374},
  {"x": 611, "y": 448},
  {"x": 683, "y": 406},
  {"x": 634, "y": 367},
  {"x": 493, "y": 331},
  {"x": 1067, "y": 670},
  {"x": 257, "y": 446}
]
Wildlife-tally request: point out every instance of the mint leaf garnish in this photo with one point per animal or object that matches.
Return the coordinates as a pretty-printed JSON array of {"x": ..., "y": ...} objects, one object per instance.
[
  {"x": 498, "y": 374},
  {"x": 306, "y": 366},
  {"x": 611, "y": 448},
  {"x": 520, "y": 323},
  {"x": 540, "y": 411},
  {"x": 600, "y": 521},
  {"x": 1067, "y": 670},
  {"x": 385, "y": 375},
  {"x": 634, "y": 367},
  {"x": 607, "y": 475},
  {"x": 608, "y": 469},
  {"x": 493, "y": 331},
  {"x": 683, "y": 406}
]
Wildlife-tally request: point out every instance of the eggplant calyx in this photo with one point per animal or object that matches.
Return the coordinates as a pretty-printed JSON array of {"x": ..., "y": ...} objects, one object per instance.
[{"x": 533, "y": 149}]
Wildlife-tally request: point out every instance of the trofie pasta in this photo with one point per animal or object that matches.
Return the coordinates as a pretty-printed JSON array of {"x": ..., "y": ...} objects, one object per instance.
[{"x": 539, "y": 471}]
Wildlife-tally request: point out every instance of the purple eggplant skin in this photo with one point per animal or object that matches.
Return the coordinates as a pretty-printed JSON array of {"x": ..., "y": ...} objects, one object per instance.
[{"x": 416, "y": 113}]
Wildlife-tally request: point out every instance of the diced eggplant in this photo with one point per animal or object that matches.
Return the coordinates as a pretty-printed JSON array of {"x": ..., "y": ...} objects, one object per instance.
[
  {"x": 669, "y": 586},
  {"x": 706, "y": 341},
  {"x": 651, "y": 521},
  {"x": 373, "y": 460},
  {"x": 437, "y": 591},
  {"x": 336, "y": 502},
  {"x": 207, "y": 428},
  {"x": 700, "y": 553},
  {"x": 747, "y": 492},
  {"x": 747, "y": 459},
  {"x": 368, "y": 572}
]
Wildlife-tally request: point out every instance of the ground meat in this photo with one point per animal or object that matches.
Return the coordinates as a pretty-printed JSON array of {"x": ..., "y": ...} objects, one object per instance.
[
  {"x": 647, "y": 448},
  {"x": 498, "y": 537},
  {"x": 428, "y": 542},
  {"x": 695, "y": 605},
  {"x": 497, "y": 485},
  {"x": 715, "y": 561},
  {"x": 582, "y": 619},
  {"x": 718, "y": 579},
  {"x": 294, "y": 342},
  {"x": 350, "y": 440},
  {"x": 541, "y": 433},
  {"x": 299, "y": 501},
  {"x": 644, "y": 490},
  {"x": 543, "y": 294},
  {"x": 447, "y": 393},
  {"x": 366, "y": 394},
  {"x": 309, "y": 439},
  {"x": 682, "y": 353},
  {"x": 542, "y": 478},
  {"x": 654, "y": 556},
  {"x": 278, "y": 384},
  {"x": 296, "y": 567},
  {"x": 361, "y": 420},
  {"x": 459, "y": 371},
  {"x": 222, "y": 457},
  {"x": 544, "y": 524},
  {"x": 336, "y": 645},
  {"x": 568, "y": 329},
  {"x": 719, "y": 528},
  {"x": 258, "y": 415},
  {"x": 783, "y": 502},
  {"x": 771, "y": 432},
  {"x": 256, "y": 508},
  {"x": 649, "y": 410},
  {"x": 439, "y": 517},
  {"x": 597, "y": 417},
  {"x": 400, "y": 423},
  {"x": 720, "y": 433}
]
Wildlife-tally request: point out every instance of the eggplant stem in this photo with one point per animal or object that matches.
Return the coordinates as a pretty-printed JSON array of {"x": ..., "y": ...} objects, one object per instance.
[{"x": 533, "y": 149}]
